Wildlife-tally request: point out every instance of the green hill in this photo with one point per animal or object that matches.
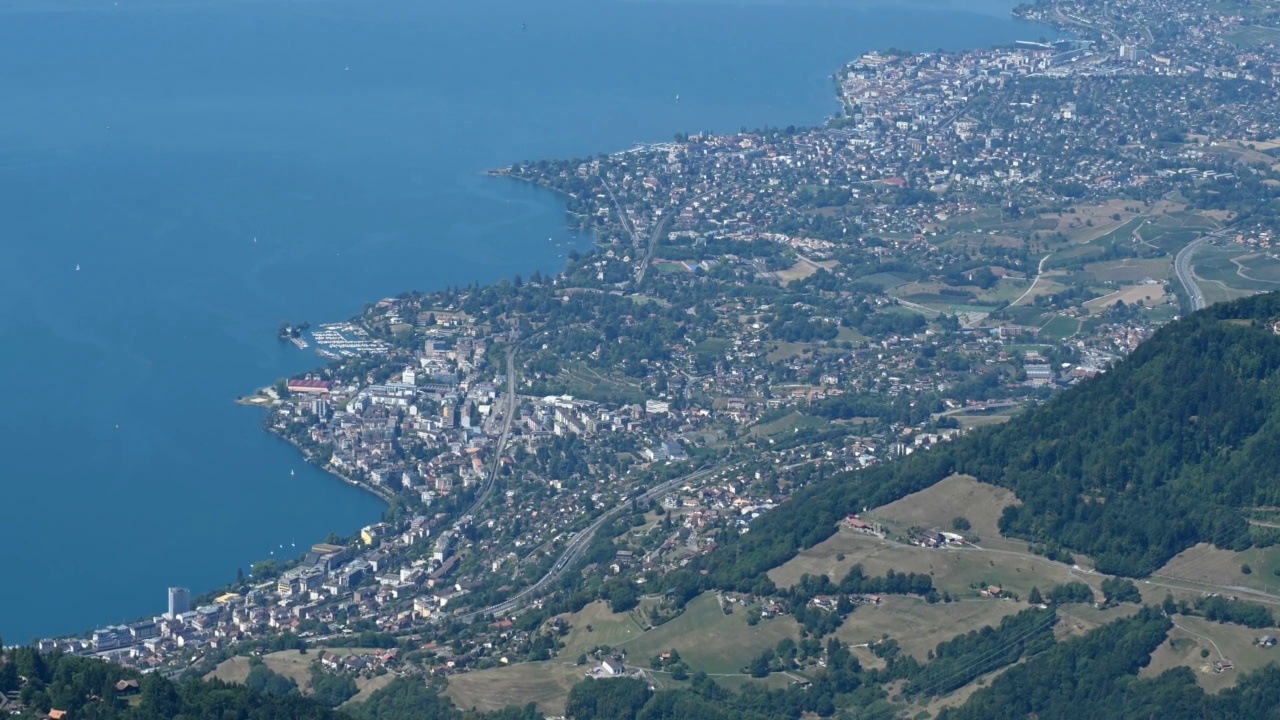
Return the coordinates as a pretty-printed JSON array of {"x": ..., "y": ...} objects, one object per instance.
[{"x": 1163, "y": 451}]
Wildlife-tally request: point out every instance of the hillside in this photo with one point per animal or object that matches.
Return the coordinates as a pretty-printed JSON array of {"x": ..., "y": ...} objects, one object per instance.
[
  {"x": 87, "y": 688},
  {"x": 1164, "y": 451}
]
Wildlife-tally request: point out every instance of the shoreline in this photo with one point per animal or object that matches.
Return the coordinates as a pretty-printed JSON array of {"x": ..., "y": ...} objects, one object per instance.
[
  {"x": 379, "y": 492},
  {"x": 263, "y": 401}
]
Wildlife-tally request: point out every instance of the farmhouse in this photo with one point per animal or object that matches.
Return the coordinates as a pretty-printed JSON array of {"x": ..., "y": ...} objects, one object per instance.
[{"x": 857, "y": 523}]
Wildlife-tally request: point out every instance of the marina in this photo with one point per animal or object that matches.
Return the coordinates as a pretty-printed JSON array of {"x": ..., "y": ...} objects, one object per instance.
[{"x": 339, "y": 340}]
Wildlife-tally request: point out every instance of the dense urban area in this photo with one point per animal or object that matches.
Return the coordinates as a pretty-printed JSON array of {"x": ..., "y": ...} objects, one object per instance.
[{"x": 970, "y": 235}]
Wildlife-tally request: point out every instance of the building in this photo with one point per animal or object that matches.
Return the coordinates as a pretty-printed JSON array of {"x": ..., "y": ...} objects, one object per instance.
[
  {"x": 179, "y": 601},
  {"x": 317, "y": 387},
  {"x": 373, "y": 533},
  {"x": 657, "y": 407},
  {"x": 612, "y": 667},
  {"x": 1038, "y": 374}
]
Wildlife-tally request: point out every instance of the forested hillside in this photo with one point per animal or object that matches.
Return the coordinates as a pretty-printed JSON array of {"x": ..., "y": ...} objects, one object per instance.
[
  {"x": 1132, "y": 467},
  {"x": 86, "y": 689},
  {"x": 1094, "y": 677}
]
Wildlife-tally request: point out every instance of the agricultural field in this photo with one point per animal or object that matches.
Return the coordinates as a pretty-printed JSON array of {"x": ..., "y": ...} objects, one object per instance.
[
  {"x": 296, "y": 666},
  {"x": 1225, "y": 264},
  {"x": 232, "y": 670},
  {"x": 1169, "y": 238},
  {"x": 708, "y": 639},
  {"x": 785, "y": 350},
  {"x": 799, "y": 271},
  {"x": 1149, "y": 295},
  {"x": 596, "y": 625},
  {"x": 1078, "y": 619},
  {"x": 1192, "y": 637},
  {"x": 787, "y": 424},
  {"x": 918, "y": 626},
  {"x": 289, "y": 663},
  {"x": 1209, "y": 569},
  {"x": 1088, "y": 222},
  {"x": 1026, "y": 315},
  {"x": 885, "y": 281},
  {"x": 1251, "y": 35},
  {"x": 584, "y": 382},
  {"x": 1260, "y": 267},
  {"x": 1060, "y": 327},
  {"x": 973, "y": 420},
  {"x": 367, "y": 688},
  {"x": 1007, "y": 290},
  {"x": 937, "y": 506},
  {"x": 1131, "y": 270},
  {"x": 545, "y": 683},
  {"x": 962, "y": 572}
]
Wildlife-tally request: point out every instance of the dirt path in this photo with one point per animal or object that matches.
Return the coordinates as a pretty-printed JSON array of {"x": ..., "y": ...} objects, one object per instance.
[{"x": 1034, "y": 281}]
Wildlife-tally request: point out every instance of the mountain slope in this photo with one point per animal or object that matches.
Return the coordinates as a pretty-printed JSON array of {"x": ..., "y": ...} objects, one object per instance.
[{"x": 1132, "y": 467}]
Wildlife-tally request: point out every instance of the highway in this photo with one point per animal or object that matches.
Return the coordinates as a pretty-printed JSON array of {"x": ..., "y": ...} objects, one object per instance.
[
  {"x": 578, "y": 545},
  {"x": 1182, "y": 265}
]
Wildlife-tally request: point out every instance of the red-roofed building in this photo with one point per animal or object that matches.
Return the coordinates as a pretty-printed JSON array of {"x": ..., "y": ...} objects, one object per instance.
[{"x": 310, "y": 386}]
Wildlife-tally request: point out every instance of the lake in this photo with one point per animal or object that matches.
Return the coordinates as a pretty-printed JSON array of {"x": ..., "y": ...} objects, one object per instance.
[{"x": 179, "y": 177}]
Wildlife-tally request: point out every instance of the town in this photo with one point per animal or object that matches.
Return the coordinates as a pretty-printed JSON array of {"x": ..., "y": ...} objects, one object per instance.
[{"x": 970, "y": 234}]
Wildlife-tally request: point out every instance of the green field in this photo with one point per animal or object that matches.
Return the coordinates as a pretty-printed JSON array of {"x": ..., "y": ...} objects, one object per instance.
[
  {"x": 1025, "y": 315},
  {"x": 1162, "y": 314},
  {"x": 961, "y": 572},
  {"x": 708, "y": 639},
  {"x": 1060, "y": 327},
  {"x": 712, "y": 346},
  {"x": 1191, "y": 635},
  {"x": 1131, "y": 270},
  {"x": 918, "y": 626},
  {"x": 933, "y": 299},
  {"x": 1006, "y": 291},
  {"x": 1121, "y": 235},
  {"x": 787, "y": 424},
  {"x": 1252, "y": 35},
  {"x": 1261, "y": 268},
  {"x": 1170, "y": 238},
  {"x": 1220, "y": 277},
  {"x": 885, "y": 280},
  {"x": 585, "y": 382}
]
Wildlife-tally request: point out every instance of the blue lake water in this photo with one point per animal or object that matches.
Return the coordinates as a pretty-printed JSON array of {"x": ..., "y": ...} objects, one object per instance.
[{"x": 150, "y": 143}]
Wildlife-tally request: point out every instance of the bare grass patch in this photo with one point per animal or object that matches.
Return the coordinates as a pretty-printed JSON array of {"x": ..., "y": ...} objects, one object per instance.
[
  {"x": 955, "y": 495},
  {"x": 918, "y": 626}
]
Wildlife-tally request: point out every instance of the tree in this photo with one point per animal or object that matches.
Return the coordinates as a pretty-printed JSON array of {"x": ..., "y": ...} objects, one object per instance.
[
  {"x": 8, "y": 677},
  {"x": 759, "y": 666},
  {"x": 611, "y": 699},
  {"x": 1034, "y": 597},
  {"x": 960, "y": 523}
]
